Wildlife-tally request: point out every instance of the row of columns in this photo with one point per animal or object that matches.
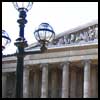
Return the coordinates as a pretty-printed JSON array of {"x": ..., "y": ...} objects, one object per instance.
[{"x": 65, "y": 81}]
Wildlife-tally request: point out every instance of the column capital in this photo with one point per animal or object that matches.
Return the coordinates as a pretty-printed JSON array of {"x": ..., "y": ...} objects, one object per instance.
[
  {"x": 62, "y": 64},
  {"x": 44, "y": 65},
  {"x": 26, "y": 67},
  {"x": 4, "y": 74},
  {"x": 88, "y": 61}
]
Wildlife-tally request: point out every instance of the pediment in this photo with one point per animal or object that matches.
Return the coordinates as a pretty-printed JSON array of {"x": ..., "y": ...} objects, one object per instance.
[{"x": 87, "y": 33}]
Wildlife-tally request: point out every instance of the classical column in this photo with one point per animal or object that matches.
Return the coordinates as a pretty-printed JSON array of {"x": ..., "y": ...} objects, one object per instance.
[
  {"x": 44, "y": 88},
  {"x": 94, "y": 81},
  {"x": 36, "y": 83},
  {"x": 54, "y": 83},
  {"x": 26, "y": 82},
  {"x": 65, "y": 80},
  {"x": 97, "y": 81},
  {"x": 86, "y": 79},
  {"x": 79, "y": 82},
  {"x": 73, "y": 81},
  {"x": 4, "y": 78}
]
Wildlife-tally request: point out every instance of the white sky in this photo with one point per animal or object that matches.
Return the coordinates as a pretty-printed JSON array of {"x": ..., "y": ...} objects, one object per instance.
[{"x": 62, "y": 16}]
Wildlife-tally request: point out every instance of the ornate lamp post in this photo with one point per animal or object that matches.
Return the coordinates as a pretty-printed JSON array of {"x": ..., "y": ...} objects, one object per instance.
[
  {"x": 43, "y": 34},
  {"x": 21, "y": 43}
]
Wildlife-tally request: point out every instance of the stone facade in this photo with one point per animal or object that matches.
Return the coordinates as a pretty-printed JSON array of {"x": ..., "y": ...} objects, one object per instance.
[{"x": 68, "y": 69}]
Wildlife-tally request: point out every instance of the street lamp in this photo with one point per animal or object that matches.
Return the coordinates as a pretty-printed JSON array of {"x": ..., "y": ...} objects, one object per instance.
[
  {"x": 43, "y": 34},
  {"x": 21, "y": 43},
  {"x": 5, "y": 39}
]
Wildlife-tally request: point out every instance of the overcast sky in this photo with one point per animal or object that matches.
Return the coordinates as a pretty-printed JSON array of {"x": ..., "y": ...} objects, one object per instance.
[{"x": 62, "y": 16}]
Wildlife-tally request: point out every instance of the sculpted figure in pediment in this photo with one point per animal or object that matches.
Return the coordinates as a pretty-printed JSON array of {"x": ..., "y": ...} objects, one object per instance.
[
  {"x": 72, "y": 38},
  {"x": 81, "y": 36},
  {"x": 86, "y": 35},
  {"x": 66, "y": 39},
  {"x": 91, "y": 33},
  {"x": 61, "y": 41},
  {"x": 77, "y": 39},
  {"x": 96, "y": 32}
]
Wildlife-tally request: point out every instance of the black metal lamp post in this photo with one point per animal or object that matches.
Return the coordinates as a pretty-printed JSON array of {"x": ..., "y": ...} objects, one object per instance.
[
  {"x": 43, "y": 34},
  {"x": 21, "y": 43}
]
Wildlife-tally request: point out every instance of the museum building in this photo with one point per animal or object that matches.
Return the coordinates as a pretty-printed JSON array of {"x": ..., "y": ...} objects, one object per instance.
[{"x": 68, "y": 69}]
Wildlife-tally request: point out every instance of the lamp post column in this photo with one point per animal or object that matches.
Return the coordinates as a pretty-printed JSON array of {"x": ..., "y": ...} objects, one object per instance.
[{"x": 20, "y": 44}]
